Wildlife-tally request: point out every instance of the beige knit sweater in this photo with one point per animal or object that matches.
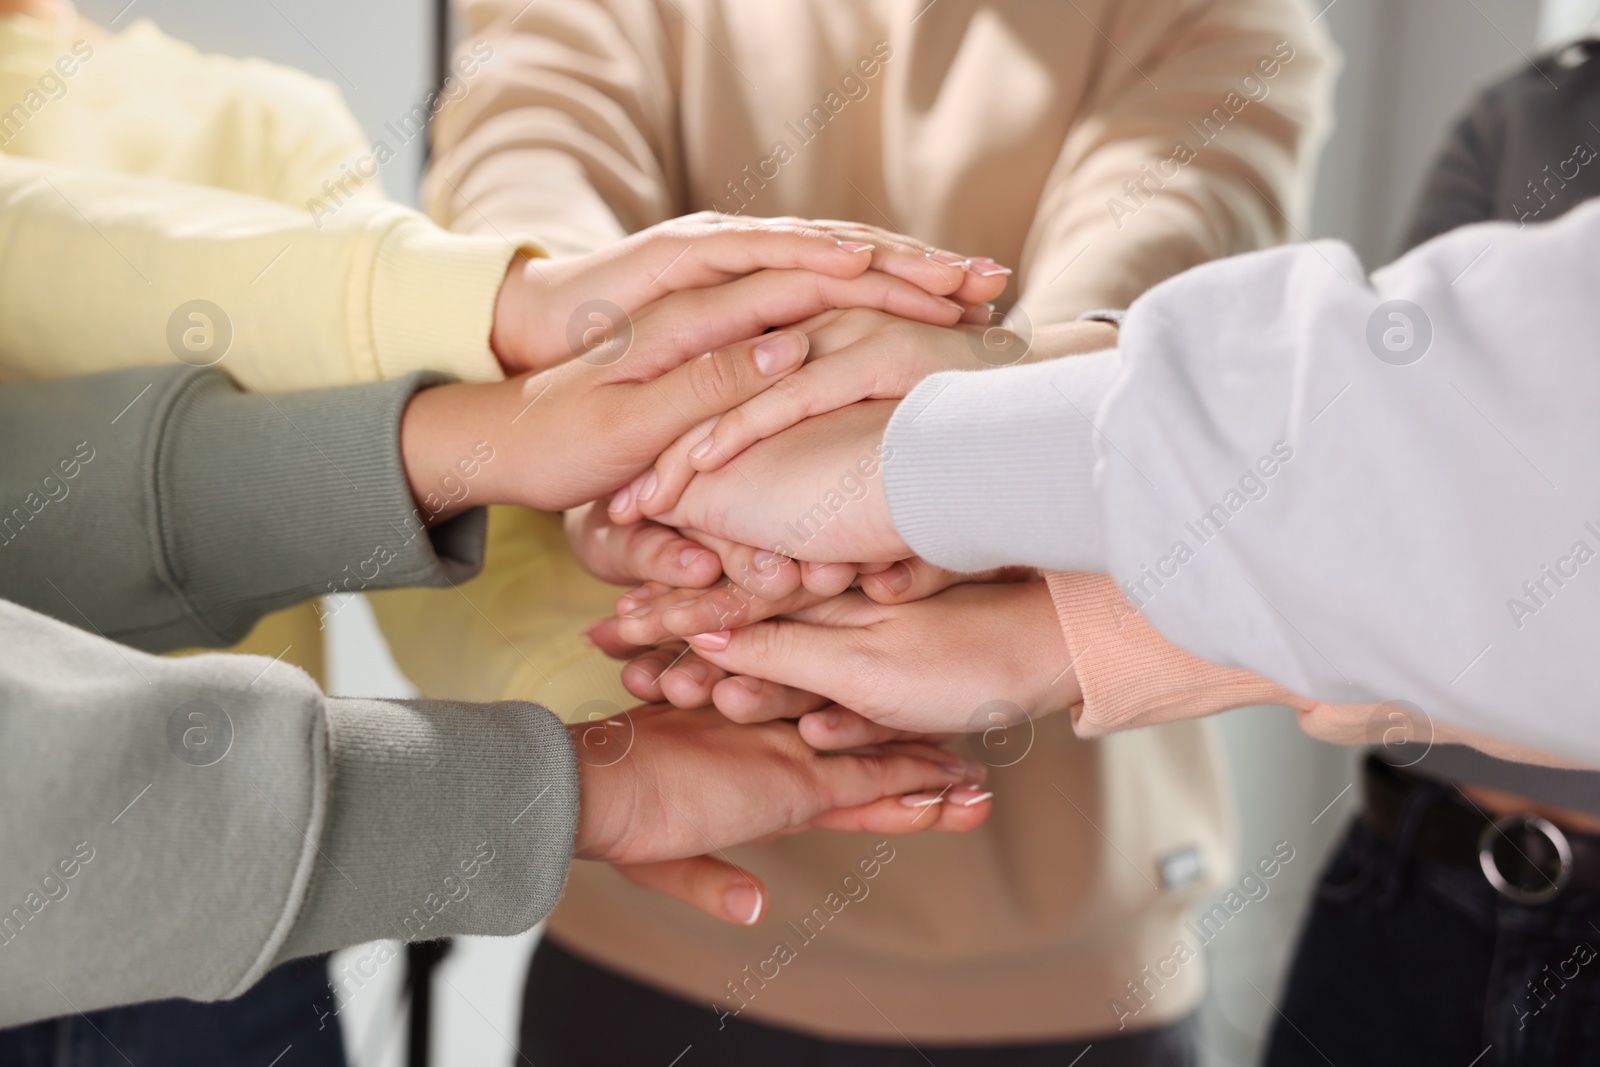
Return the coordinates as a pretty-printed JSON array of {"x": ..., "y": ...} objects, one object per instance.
[{"x": 1099, "y": 146}]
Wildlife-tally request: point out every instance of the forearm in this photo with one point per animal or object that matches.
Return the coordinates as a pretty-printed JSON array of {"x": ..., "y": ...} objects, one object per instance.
[
  {"x": 568, "y": 127},
  {"x": 376, "y": 291},
  {"x": 1202, "y": 144},
  {"x": 1250, "y": 428},
  {"x": 210, "y": 816},
  {"x": 167, "y": 509}
]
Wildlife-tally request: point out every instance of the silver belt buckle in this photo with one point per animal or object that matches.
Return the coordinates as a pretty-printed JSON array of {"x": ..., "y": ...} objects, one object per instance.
[{"x": 1491, "y": 867}]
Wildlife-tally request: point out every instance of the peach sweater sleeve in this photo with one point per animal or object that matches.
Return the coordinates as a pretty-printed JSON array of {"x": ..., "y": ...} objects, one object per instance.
[{"x": 1132, "y": 676}]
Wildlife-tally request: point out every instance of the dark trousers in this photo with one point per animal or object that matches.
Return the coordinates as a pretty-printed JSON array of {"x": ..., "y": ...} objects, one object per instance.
[
  {"x": 576, "y": 1014},
  {"x": 280, "y": 1013},
  {"x": 1405, "y": 962}
]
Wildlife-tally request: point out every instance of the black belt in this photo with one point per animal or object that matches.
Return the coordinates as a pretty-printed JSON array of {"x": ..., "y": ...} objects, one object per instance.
[{"x": 1527, "y": 858}]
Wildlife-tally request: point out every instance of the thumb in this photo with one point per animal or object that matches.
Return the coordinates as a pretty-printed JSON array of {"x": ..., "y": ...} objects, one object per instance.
[
  {"x": 715, "y": 382},
  {"x": 719, "y": 889}
]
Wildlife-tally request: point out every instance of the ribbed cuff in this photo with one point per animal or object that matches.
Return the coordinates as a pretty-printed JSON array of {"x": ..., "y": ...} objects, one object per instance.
[
  {"x": 433, "y": 300},
  {"x": 264, "y": 502},
  {"x": 1132, "y": 676},
  {"x": 996, "y": 468},
  {"x": 444, "y": 819}
]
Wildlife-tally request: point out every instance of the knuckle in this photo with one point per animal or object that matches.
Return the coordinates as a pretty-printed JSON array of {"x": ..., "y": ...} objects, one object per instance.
[{"x": 714, "y": 377}]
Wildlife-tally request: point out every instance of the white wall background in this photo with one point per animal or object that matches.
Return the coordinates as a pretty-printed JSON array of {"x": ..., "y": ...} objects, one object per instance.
[{"x": 1410, "y": 65}]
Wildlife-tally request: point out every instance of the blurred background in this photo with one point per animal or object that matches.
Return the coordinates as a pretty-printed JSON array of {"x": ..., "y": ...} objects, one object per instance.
[{"x": 1410, "y": 65}]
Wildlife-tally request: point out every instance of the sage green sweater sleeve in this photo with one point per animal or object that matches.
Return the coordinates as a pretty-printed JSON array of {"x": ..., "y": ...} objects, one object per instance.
[
  {"x": 176, "y": 826},
  {"x": 165, "y": 508}
]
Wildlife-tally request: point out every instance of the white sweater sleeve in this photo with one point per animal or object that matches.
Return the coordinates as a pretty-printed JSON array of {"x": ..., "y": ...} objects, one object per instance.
[{"x": 1296, "y": 474}]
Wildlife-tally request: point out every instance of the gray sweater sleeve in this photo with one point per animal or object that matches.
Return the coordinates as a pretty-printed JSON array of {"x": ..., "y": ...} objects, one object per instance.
[
  {"x": 175, "y": 827},
  {"x": 166, "y": 508}
]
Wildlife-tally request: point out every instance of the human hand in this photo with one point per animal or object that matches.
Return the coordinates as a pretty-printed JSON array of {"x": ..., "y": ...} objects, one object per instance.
[
  {"x": 567, "y": 435},
  {"x": 691, "y": 783},
  {"x": 812, "y": 493},
  {"x": 928, "y": 666},
  {"x": 855, "y": 354},
  {"x": 696, "y": 255}
]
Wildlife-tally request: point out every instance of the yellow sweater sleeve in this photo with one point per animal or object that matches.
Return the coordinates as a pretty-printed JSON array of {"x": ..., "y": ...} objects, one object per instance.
[{"x": 101, "y": 270}]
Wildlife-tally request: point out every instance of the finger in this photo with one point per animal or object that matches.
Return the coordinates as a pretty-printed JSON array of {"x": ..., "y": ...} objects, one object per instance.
[
  {"x": 603, "y": 634},
  {"x": 827, "y": 579},
  {"x": 625, "y": 555},
  {"x": 686, "y": 323},
  {"x": 713, "y": 886},
  {"x": 688, "y": 682},
  {"x": 768, "y": 575},
  {"x": 957, "y": 810},
  {"x": 725, "y": 607},
  {"x": 745, "y": 699},
  {"x": 917, "y": 579},
  {"x": 662, "y": 409},
  {"x": 984, "y": 282},
  {"x": 836, "y": 729},
  {"x": 657, "y": 490},
  {"x": 890, "y": 771},
  {"x": 642, "y": 675}
]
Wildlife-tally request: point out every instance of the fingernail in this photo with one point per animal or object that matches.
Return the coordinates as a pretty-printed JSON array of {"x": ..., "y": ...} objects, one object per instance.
[
  {"x": 639, "y": 612},
  {"x": 948, "y": 259},
  {"x": 779, "y": 352},
  {"x": 694, "y": 669},
  {"x": 921, "y": 800},
  {"x": 975, "y": 800},
  {"x": 856, "y": 246},
  {"x": 621, "y": 500},
  {"x": 712, "y": 642},
  {"x": 984, "y": 267},
  {"x": 640, "y": 595},
  {"x": 743, "y": 904},
  {"x": 830, "y": 719},
  {"x": 648, "y": 489},
  {"x": 703, "y": 449},
  {"x": 690, "y": 556},
  {"x": 752, "y": 685},
  {"x": 897, "y": 578},
  {"x": 767, "y": 561},
  {"x": 952, "y": 304}
]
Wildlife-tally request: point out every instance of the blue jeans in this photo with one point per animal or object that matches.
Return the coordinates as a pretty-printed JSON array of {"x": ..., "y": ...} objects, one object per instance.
[
  {"x": 1406, "y": 962},
  {"x": 279, "y": 1013}
]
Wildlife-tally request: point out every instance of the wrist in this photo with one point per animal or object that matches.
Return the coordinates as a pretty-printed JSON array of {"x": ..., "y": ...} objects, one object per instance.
[
  {"x": 453, "y": 445},
  {"x": 511, "y": 334},
  {"x": 595, "y": 838}
]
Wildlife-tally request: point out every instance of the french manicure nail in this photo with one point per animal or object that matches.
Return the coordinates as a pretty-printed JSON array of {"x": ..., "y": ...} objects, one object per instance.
[
  {"x": 985, "y": 267},
  {"x": 690, "y": 556},
  {"x": 648, "y": 489},
  {"x": 953, "y": 305},
  {"x": 712, "y": 642},
  {"x": 914, "y": 801},
  {"x": 976, "y": 800},
  {"x": 620, "y": 501},
  {"x": 694, "y": 669},
  {"x": 743, "y": 904},
  {"x": 779, "y": 352},
  {"x": 949, "y": 259},
  {"x": 856, "y": 246},
  {"x": 703, "y": 449}
]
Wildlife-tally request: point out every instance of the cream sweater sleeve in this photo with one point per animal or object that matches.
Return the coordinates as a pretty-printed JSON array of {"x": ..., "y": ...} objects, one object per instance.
[
  {"x": 101, "y": 270},
  {"x": 1199, "y": 142}
]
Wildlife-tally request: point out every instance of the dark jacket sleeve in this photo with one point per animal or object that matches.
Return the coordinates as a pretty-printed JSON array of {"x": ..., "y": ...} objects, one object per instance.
[{"x": 167, "y": 508}]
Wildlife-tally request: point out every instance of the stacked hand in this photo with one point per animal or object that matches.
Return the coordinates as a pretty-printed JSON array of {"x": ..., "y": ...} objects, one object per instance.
[{"x": 636, "y": 377}]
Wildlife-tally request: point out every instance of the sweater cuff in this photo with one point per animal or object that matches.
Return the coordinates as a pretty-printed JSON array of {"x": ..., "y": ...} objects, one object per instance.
[
  {"x": 1132, "y": 676},
  {"x": 433, "y": 300},
  {"x": 443, "y": 819},
  {"x": 995, "y": 468},
  {"x": 265, "y": 502}
]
